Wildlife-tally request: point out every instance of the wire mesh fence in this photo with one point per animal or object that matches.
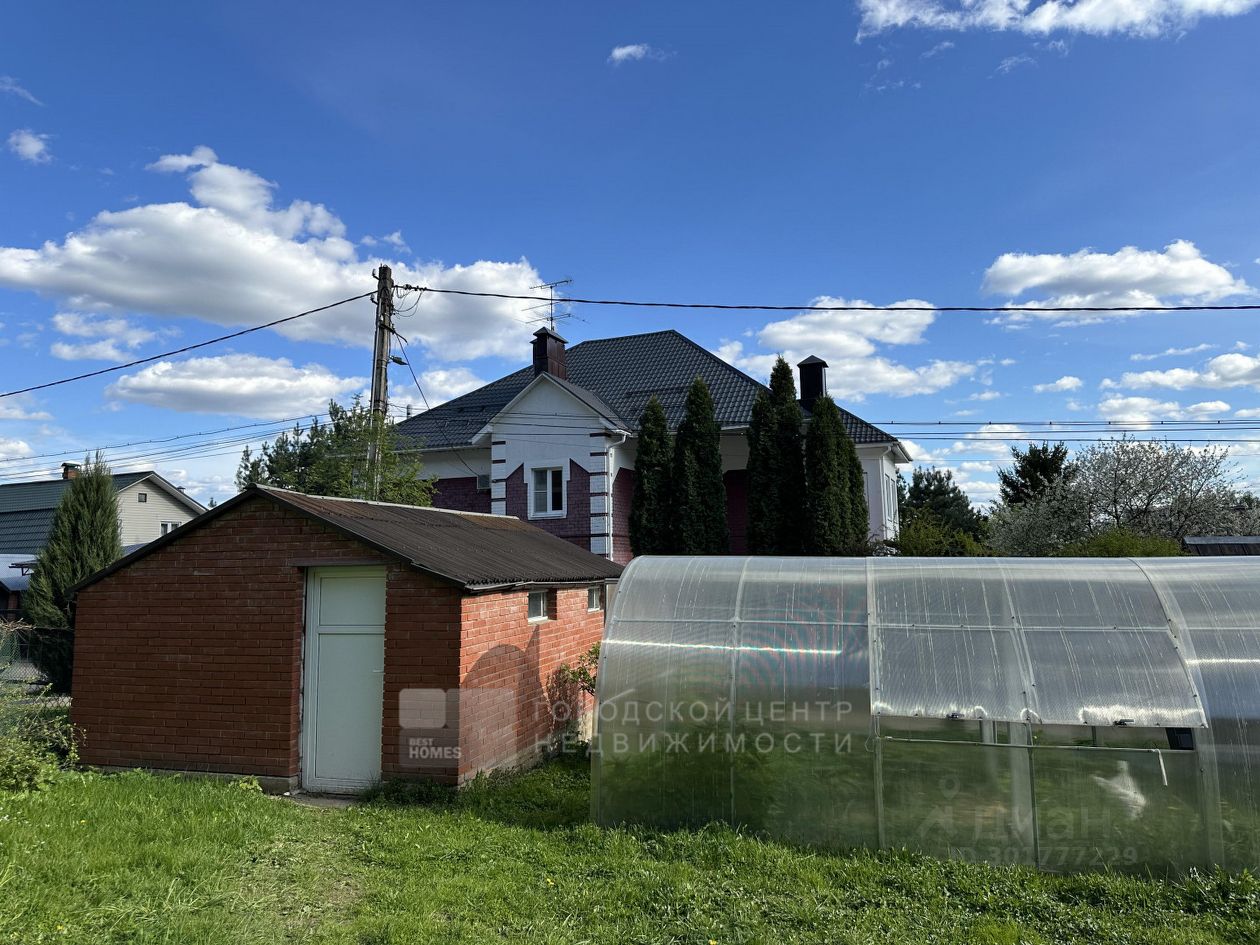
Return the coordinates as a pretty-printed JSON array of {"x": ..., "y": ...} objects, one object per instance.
[{"x": 16, "y": 667}]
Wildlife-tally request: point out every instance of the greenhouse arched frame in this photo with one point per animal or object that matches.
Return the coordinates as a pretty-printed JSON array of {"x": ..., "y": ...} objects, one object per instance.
[{"x": 1067, "y": 714}]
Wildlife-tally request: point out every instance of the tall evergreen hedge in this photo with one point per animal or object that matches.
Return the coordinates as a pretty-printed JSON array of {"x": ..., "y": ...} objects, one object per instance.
[
  {"x": 698, "y": 494},
  {"x": 650, "y": 512},
  {"x": 763, "y": 478},
  {"x": 84, "y": 538},
  {"x": 827, "y": 498},
  {"x": 789, "y": 447}
]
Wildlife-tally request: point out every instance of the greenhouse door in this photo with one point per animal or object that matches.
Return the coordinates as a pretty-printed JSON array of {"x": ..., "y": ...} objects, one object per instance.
[{"x": 344, "y": 674}]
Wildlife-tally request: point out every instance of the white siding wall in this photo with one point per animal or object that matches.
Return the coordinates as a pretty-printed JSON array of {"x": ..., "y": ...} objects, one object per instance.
[
  {"x": 142, "y": 521},
  {"x": 881, "y": 491}
]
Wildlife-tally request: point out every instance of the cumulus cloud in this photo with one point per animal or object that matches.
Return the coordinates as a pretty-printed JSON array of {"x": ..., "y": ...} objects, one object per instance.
[
  {"x": 107, "y": 339},
  {"x": 30, "y": 146},
  {"x": 634, "y": 52},
  {"x": 14, "y": 449},
  {"x": 231, "y": 257},
  {"x": 1065, "y": 383},
  {"x": 1179, "y": 274},
  {"x": 848, "y": 342},
  {"x": 238, "y": 385},
  {"x": 11, "y": 86},
  {"x": 1224, "y": 371},
  {"x": 1145, "y": 18},
  {"x": 21, "y": 407},
  {"x": 985, "y": 395},
  {"x": 442, "y": 385},
  {"x": 1139, "y": 411}
]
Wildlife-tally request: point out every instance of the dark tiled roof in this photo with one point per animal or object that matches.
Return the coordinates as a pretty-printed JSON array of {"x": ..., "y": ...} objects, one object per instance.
[
  {"x": 623, "y": 373},
  {"x": 468, "y": 549},
  {"x": 26, "y": 510}
]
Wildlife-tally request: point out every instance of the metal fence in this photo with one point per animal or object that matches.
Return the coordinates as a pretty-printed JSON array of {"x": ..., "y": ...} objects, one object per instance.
[{"x": 15, "y": 662}]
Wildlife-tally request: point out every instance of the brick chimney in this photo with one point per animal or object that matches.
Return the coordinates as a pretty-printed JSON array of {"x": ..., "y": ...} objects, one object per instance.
[
  {"x": 813, "y": 380},
  {"x": 549, "y": 354},
  {"x": 69, "y": 470}
]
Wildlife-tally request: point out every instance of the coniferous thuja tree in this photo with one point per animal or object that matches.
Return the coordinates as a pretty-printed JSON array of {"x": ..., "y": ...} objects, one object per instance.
[
  {"x": 763, "y": 478},
  {"x": 827, "y": 499},
  {"x": 698, "y": 494},
  {"x": 650, "y": 512},
  {"x": 788, "y": 443},
  {"x": 83, "y": 539},
  {"x": 859, "y": 511}
]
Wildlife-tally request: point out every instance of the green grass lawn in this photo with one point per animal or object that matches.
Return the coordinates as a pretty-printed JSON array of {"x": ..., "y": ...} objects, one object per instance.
[{"x": 136, "y": 858}]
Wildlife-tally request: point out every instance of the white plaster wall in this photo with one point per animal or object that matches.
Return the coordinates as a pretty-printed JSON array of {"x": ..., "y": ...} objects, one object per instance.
[
  {"x": 142, "y": 521},
  {"x": 445, "y": 464}
]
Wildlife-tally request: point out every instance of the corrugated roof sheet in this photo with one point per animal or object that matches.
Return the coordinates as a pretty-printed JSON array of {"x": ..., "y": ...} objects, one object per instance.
[
  {"x": 622, "y": 373},
  {"x": 1223, "y": 545},
  {"x": 472, "y": 550}
]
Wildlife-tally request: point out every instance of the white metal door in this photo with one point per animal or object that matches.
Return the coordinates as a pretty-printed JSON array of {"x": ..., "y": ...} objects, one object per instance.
[{"x": 344, "y": 674}]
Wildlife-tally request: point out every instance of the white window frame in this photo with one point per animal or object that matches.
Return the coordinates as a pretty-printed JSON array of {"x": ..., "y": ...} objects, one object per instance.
[
  {"x": 168, "y": 527},
  {"x": 545, "y": 597},
  {"x": 598, "y": 593},
  {"x": 563, "y": 511}
]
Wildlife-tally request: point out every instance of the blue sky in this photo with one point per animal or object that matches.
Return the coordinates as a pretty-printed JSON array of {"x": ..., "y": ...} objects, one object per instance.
[{"x": 174, "y": 171}]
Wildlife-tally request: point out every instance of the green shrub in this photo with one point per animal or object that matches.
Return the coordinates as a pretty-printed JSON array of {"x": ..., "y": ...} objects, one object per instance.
[
  {"x": 36, "y": 739},
  {"x": 1122, "y": 543}
]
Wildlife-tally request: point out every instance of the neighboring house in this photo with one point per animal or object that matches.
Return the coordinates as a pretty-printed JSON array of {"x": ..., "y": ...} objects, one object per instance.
[
  {"x": 148, "y": 507},
  {"x": 554, "y": 443},
  {"x": 14, "y": 581},
  {"x": 327, "y": 643}
]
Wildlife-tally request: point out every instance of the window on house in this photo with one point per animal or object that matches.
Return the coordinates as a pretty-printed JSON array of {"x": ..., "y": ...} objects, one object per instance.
[
  {"x": 595, "y": 598},
  {"x": 483, "y": 482},
  {"x": 548, "y": 492},
  {"x": 142, "y": 497},
  {"x": 538, "y": 605},
  {"x": 169, "y": 527}
]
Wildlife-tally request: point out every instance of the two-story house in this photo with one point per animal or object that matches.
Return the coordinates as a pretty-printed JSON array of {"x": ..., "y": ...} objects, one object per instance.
[
  {"x": 148, "y": 507},
  {"x": 554, "y": 443}
]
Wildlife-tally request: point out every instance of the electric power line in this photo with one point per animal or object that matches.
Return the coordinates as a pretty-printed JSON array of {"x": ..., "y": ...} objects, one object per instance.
[
  {"x": 844, "y": 308},
  {"x": 183, "y": 350}
]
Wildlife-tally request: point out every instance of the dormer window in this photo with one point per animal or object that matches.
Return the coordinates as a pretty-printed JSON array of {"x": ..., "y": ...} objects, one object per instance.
[{"x": 142, "y": 497}]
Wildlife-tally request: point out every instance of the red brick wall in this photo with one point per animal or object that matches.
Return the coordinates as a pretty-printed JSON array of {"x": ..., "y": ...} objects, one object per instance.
[
  {"x": 576, "y": 524},
  {"x": 461, "y": 494},
  {"x": 191, "y": 657},
  {"x": 502, "y": 649}
]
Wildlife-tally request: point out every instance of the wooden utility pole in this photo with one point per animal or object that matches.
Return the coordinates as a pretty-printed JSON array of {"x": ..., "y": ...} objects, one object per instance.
[{"x": 379, "y": 407}]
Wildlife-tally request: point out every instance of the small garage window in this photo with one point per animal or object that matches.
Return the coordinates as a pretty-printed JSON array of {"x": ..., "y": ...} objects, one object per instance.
[
  {"x": 169, "y": 527},
  {"x": 538, "y": 608},
  {"x": 595, "y": 598}
]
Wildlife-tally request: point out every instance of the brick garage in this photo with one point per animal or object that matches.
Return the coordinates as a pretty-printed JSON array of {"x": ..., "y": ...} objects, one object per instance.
[{"x": 194, "y": 653}]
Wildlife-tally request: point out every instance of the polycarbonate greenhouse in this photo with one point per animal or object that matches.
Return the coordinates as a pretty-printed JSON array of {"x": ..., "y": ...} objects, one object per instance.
[{"x": 1064, "y": 713}]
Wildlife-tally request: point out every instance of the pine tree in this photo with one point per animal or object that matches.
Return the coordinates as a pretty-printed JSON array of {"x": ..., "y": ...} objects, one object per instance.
[
  {"x": 788, "y": 446},
  {"x": 935, "y": 491},
  {"x": 650, "y": 511},
  {"x": 83, "y": 538},
  {"x": 763, "y": 478},
  {"x": 698, "y": 495},
  {"x": 331, "y": 459},
  {"x": 1034, "y": 471},
  {"x": 827, "y": 483}
]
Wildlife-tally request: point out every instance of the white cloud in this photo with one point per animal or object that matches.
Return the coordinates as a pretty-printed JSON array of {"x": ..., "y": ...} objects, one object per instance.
[
  {"x": 1251, "y": 413},
  {"x": 1172, "y": 352},
  {"x": 1179, "y": 274},
  {"x": 239, "y": 385},
  {"x": 1065, "y": 383},
  {"x": 14, "y": 449},
  {"x": 30, "y": 146},
  {"x": 634, "y": 52},
  {"x": 1146, "y": 18},
  {"x": 943, "y": 46},
  {"x": 1222, "y": 372},
  {"x": 1010, "y": 63},
  {"x": 232, "y": 258},
  {"x": 848, "y": 342},
  {"x": 986, "y": 395},
  {"x": 1139, "y": 411},
  {"x": 394, "y": 239},
  {"x": 446, "y": 384},
  {"x": 10, "y": 85},
  {"x": 21, "y": 408},
  {"x": 109, "y": 339}
]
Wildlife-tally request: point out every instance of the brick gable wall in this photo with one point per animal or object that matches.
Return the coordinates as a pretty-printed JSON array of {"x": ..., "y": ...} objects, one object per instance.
[
  {"x": 576, "y": 524},
  {"x": 461, "y": 494}
]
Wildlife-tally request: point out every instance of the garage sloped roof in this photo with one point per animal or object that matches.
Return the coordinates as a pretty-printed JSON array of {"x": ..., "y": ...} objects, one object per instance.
[{"x": 473, "y": 550}]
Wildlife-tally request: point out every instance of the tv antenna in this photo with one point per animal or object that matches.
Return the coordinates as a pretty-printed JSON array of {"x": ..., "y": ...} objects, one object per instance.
[{"x": 550, "y": 305}]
